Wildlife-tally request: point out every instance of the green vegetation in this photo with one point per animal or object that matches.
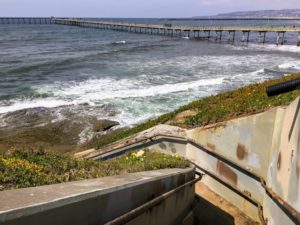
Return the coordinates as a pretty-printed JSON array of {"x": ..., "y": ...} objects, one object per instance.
[
  {"x": 25, "y": 169},
  {"x": 243, "y": 101},
  {"x": 21, "y": 169}
]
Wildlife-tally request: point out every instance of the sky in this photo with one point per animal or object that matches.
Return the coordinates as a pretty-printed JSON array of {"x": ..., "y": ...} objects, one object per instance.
[{"x": 136, "y": 8}]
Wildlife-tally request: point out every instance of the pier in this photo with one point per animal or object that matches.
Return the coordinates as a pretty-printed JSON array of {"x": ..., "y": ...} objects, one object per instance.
[
  {"x": 217, "y": 33},
  {"x": 197, "y": 32},
  {"x": 25, "y": 20}
]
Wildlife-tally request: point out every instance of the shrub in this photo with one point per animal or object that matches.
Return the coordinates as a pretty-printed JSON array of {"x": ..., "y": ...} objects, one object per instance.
[{"x": 21, "y": 169}]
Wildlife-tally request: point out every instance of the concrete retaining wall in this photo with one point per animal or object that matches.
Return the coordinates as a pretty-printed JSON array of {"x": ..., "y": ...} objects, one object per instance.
[
  {"x": 253, "y": 161},
  {"x": 98, "y": 201},
  {"x": 265, "y": 144}
]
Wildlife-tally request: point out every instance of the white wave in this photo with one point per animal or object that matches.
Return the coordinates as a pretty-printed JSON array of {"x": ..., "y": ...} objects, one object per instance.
[
  {"x": 203, "y": 65},
  {"x": 290, "y": 65},
  {"x": 2, "y": 121},
  {"x": 254, "y": 76},
  {"x": 268, "y": 47},
  {"x": 92, "y": 90},
  {"x": 85, "y": 135},
  {"x": 32, "y": 103},
  {"x": 119, "y": 42},
  {"x": 129, "y": 119},
  {"x": 282, "y": 48}
]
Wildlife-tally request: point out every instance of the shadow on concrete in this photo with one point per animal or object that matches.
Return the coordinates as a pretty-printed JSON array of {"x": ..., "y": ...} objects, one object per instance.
[{"x": 205, "y": 213}]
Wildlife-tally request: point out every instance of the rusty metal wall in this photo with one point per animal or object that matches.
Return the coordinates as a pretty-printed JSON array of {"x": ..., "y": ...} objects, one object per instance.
[
  {"x": 246, "y": 141},
  {"x": 284, "y": 170},
  {"x": 267, "y": 145},
  {"x": 253, "y": 162}
]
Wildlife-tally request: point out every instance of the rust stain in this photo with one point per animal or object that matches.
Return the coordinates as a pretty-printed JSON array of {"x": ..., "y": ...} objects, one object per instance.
[
  {"x": 211, "y": 146},
  {"x": 279, "y": 161},
  {"x": 227, "y": 173},
  {"x": 298, "y": 158},
  {"x": 171, "y": 145},
  {"x": 298, "y": 170},
  {"x": 163, "y": 146},
  {"x": 173, "y": 148},
  {"x": 241, "y": 152}
]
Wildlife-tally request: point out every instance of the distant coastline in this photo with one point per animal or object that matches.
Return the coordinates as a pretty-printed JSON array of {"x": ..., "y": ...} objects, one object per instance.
[
  {"x": 283, "y": 14},
  {"x": 233, "y": 18}
]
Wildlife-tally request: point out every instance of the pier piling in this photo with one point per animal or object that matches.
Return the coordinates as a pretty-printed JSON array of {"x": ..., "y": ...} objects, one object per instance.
[
  {"x": 262, "y": 36},
  {"x": 244, "y": 38},
  {"x": 208, "y": 34},
  {"x": 280, "y": 37},
  {"x": 233, "y": 35}
]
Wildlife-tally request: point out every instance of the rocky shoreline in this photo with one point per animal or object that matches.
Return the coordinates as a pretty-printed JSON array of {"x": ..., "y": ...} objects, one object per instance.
[{"x": 43, "y": 128}]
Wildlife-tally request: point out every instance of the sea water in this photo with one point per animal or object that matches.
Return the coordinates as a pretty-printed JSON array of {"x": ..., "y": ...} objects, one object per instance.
[{"x": 128, "y": 77}]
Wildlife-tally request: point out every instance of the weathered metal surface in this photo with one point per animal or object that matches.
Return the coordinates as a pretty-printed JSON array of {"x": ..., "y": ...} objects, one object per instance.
[
  {"x": 246, "y": 141},
  {"x": 253, "y": 162},
  {"x": 233, "y": 182},
  {"x": 267, "y": 144},
  {"x": 284, "y": 170}
]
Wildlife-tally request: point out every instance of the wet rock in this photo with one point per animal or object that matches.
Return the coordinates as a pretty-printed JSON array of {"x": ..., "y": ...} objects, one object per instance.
[
  {"x": 61, "y": 136},
  {"x": 29, "y": 117},
  {"x": 103, "y": 125},
  {"x": 60, "y": 129}
]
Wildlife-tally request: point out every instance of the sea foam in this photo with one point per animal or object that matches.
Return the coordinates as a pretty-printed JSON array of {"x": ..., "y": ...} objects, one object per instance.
[{"x": 91, "y": 91}]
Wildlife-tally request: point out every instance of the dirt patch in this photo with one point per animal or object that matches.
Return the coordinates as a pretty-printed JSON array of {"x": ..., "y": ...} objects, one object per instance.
[
  {"x": 180, "y": 118},
  {"x": 99, "y": 138}
]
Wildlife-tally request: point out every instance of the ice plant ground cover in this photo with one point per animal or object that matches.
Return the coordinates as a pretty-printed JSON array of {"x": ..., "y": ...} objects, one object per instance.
[{"x": 19, "y": 169}]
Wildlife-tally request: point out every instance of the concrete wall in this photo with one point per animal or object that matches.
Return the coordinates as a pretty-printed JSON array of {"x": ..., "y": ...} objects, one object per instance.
[
  {"x": 253, "y": 161},
  {"x": 243, "y": 153},
  {"x": 97, "y": 201},
  {"x": 265, "y": 144}
]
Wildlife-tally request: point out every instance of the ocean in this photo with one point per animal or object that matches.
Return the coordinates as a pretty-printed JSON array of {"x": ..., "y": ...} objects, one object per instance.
[{"x": 67, "y": 72}]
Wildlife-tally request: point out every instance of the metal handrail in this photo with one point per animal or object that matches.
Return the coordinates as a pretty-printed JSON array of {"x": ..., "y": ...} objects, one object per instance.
[
  {"x": 293, "y": 214},
  {"x": 127, "y": 217}
]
